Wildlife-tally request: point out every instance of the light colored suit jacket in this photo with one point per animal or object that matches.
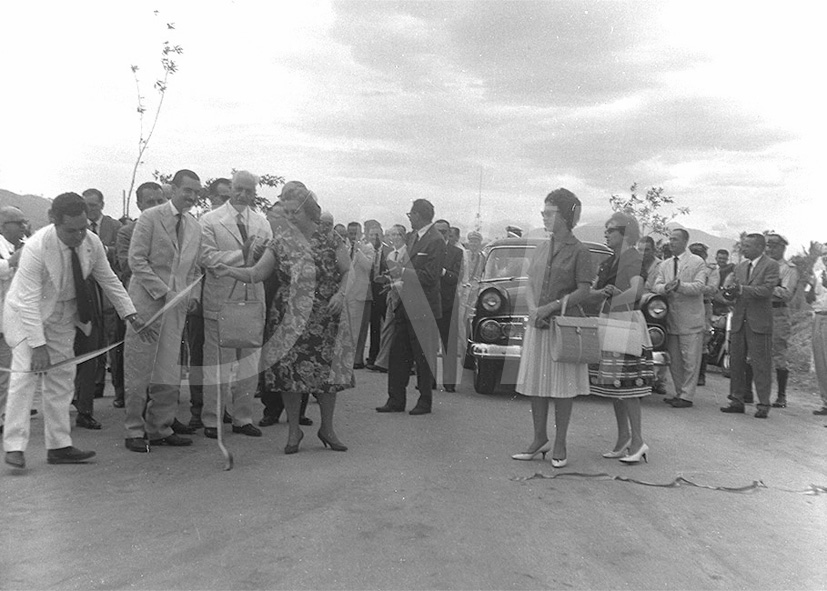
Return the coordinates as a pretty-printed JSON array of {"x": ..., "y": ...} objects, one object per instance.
[
  {"x": 160, "y": 265},
  {"x": 755, "y": 301},
  {"x": 221, "y": 243},
  {"x": 686, "y": 305},
  {"x": 6, "y": 273},
  {"x": 358, "y": 280},
  {"x": 34, "y": 291}
]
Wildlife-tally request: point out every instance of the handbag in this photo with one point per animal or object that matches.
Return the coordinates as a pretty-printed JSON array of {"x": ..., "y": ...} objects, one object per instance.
[
  {"x": 241, "y": 323},
  {"x": 574, "y": 339},
  {"x": 620, "y": 333}
]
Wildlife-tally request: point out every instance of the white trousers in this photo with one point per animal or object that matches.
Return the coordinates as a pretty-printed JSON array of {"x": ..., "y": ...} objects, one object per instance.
[
  {"x": 58, "y": 385},
  {"x": 5, "y": 361},
  {"x": 220, "y": 358}
]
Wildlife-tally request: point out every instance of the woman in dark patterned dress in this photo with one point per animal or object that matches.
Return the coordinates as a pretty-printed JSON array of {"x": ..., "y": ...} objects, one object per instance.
[
  {"x": 308, "y": 348},
  {"x": 625, "y": 377}
]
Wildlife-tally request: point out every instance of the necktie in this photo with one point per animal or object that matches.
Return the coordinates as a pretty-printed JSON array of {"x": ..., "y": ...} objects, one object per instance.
[
  {"x": 749, "y": 270},
  {"x": 377, "y": 261},
  {"x": 82, "y": 295},
  {"x": 95, "y": 227},
  {"x": 178, "y": 225},
  {"x": 242, "y": 228},
  {"x": 675, "y": 267}
]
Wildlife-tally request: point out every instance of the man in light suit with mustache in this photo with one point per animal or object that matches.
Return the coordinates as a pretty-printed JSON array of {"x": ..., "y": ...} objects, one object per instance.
[
  {"x": 48, "y": 298},
  {"x": 163, "y": 256}
]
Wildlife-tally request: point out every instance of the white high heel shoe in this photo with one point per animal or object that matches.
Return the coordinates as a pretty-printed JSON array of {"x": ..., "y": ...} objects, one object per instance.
[
  {"x": 528, "y": 456},
  {"x": 636, "y": 457},
  {"x": 555, "y": 463},
  {"x": 620, "y": 453}
]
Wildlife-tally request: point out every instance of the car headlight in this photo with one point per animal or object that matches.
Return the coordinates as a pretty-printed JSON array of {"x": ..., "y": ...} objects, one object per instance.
[
  {"x": 656, "y": 308},
  {"x": 491, "y": 301},
  {"x": 490, "y": 331},
  {"x": 657, "y": 335}
]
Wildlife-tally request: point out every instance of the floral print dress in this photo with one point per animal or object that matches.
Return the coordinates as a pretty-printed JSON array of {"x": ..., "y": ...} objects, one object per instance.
[{"x": 308, "y": 349}]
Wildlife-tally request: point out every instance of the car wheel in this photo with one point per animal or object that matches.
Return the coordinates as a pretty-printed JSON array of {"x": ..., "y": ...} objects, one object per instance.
[
  {"x": 725, "y": 368},
  {"x": 487, "y": 376}
]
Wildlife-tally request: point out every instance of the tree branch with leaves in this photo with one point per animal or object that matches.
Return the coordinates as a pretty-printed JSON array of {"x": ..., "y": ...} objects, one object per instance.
[
  {"x": 169, "y": 67},
  {"x": 645, "y": 208}
]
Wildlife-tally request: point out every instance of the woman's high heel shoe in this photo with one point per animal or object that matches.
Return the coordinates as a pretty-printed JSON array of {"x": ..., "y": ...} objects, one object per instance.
[
  {"x": 335, "y": 446},
  {"x": 619, "y": 453},
  {"x": 555, "y": 463},
  {"x": 532, "y": 455},
  {"x": 636, "y": 457},
  {"x": 292, "y": 448}
]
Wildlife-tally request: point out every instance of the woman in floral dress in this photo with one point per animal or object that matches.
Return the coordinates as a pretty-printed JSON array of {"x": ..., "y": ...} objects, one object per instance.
[{"x": 308, "y": 347}]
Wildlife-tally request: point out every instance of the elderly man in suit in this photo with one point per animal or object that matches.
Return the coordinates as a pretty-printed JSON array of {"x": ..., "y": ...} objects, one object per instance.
[
  {"x": 12, "y": 230},
  {"x": 163, "y": 256},
  {"x": 397, "y": 236},
  {"x": 358, "y": 294},
  {"x": 232, "y": 234},
  {"x": 755, "y": 279},
  {"x": 48, "y": 298},
  {"x": 682, "y": 279},
  {"x": 447, "y": 323},
  {"x": 417, "y": 312}
]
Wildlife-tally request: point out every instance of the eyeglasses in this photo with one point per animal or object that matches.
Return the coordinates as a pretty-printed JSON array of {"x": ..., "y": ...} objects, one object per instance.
[
  {"x": 613, "y": 229},
  {"x": 18, "y": 222},
  {"x": 549, "y": 213}
]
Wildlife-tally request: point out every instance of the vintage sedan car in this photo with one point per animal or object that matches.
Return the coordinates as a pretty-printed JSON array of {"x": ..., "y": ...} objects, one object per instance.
[{"x": 497, "y": 323}]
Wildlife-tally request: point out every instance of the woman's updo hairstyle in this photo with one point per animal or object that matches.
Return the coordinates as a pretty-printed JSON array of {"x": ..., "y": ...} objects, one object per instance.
[
  {"x": 631, "y": 229},
  {"x": 567, "y": 204}
]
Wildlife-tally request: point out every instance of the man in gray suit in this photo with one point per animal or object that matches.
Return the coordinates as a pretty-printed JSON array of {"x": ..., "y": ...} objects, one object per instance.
[
  {"x": 755, "y": 279},
  {"x": 232, "y": 234},
  {"x": 682, "y": 279},
  {"x": 163, "y": 253}
]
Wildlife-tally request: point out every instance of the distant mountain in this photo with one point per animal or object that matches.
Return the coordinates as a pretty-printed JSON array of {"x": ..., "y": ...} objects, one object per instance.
[{"x": 35, "y": 208}]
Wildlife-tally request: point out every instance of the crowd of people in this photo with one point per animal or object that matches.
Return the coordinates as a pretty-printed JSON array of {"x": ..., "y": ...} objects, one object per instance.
[{"x": 284, "y": 304}]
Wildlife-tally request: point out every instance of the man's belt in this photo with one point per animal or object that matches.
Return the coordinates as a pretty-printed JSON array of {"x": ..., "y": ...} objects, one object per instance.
[{"x": 779, "y": 304}]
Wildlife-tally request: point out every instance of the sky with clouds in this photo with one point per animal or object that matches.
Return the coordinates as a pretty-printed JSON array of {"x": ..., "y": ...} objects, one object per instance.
[{"x": 373, "y": 104}]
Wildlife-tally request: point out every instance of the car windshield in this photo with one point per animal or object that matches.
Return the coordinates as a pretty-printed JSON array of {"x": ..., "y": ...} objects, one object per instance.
[{"x": 507, "y": 262}]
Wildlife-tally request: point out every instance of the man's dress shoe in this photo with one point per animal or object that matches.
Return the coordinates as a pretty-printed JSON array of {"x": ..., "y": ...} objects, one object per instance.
[
  {"x": 358, "y": 366},
  {"x": 173, "y": 440},
  {"x": 137, "y": 444},
  {"x": 680, "y": 403},
  {"x": 306, "y": 421},
  {"x": 762, "y": 413},
  {"x": 118, "y": 403},
  {"x": 249, "y": 429},
  {"x": 420, "y": 410},
  {"x": 182, "y": 429},
  {"x": 227, "y": 419},
  {"x": 87, "y": 421},
  {"x": 451, "y": 389},
  {"x": 268, "y": 420},
  {"x": 15, "y": 459},
  {"x": 733, "y": 409},
  {"x": 389, "y": 408},
  {"x": 211, "y": 432},
  {"x": 68, "y": 455}
]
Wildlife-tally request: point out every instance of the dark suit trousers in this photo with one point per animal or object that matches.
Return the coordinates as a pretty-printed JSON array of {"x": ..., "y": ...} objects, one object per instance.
[
  {"x": 194, "y": 335},
  {"x": 448, "y": 336},
  {"x": 377, "y": 319},
  {"x": 115, "y": 330},
  {"x": 757, "y": 347},
  {"x": 87, "y": 372},
  {"x": 405, "y": 350}
]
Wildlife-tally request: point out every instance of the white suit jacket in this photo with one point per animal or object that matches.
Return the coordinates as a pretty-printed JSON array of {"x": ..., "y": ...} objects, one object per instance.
[
  {"x": 159, "y": 264},
  {"x": 6, "y": 273},
  {"x": 221, "y": 243},
  {"x": 358, "y": 280},
  {"x": 686, "y": 305},
  {"x": 34, "y": 291}
]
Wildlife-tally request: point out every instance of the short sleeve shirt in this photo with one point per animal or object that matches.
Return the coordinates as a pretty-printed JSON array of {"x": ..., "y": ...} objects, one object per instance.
[{"x": 553, "y": 277}]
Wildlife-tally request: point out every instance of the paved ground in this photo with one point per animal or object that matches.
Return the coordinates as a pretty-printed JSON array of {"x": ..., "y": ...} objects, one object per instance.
[{"x": 431, "y": 502}]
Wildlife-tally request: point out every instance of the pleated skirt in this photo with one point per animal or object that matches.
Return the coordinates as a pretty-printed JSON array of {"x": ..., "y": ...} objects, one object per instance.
[{"x": 540, "y": 375}]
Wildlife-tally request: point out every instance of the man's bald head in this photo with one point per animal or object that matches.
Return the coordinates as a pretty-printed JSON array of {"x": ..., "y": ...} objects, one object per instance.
[{"x": 13, "y": 224}]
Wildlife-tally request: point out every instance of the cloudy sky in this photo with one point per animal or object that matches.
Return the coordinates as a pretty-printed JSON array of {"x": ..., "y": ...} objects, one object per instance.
[{"x": 373, "y": 104}]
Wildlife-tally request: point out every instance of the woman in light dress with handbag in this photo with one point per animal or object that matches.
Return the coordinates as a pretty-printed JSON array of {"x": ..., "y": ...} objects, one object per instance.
[
  {"x": 560, "y": 269},
  {"x": 626, "y": 370}
]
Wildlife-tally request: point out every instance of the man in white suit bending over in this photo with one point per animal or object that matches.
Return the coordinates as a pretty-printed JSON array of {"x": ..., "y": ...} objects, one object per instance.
[
  {"x": 48, "y": 297},
  {"x": 163, "y": 254},
  {"x": 232, "y": 234}
]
